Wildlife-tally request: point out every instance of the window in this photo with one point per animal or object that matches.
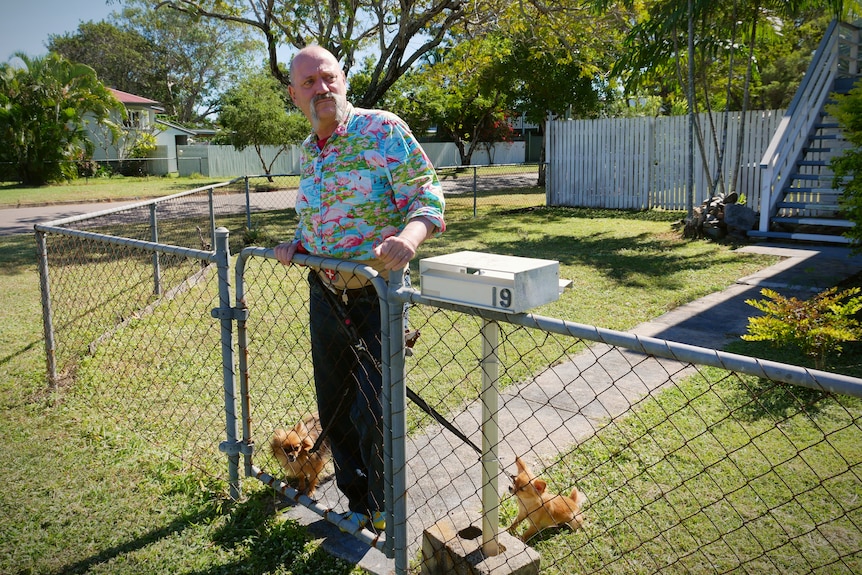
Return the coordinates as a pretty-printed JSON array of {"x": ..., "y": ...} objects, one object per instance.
[{"x": 134, "y": 119}]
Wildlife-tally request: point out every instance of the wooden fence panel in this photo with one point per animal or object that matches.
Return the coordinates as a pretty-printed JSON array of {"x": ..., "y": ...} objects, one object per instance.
[{"x": 641, "y": 163}]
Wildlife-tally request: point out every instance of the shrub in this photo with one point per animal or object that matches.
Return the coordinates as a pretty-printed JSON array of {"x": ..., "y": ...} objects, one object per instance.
[
  {"x": 848, "y": 166},
  {"x": 817, "y": 326}
]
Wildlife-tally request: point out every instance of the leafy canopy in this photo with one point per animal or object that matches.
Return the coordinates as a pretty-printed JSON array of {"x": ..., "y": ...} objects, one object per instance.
[
  {"x": 256, "y": 113},
  {"x": 44, "y": 105},
  {"x": 180, "y": 61}
]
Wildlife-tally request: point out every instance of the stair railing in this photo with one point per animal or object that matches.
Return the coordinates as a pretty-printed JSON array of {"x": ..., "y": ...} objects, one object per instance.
[{"x": 837, "y": 55}]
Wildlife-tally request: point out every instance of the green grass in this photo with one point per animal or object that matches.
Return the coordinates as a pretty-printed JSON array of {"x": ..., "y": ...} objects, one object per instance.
[
  {"x": 699, "y": 480},
  {"x": 89, "y": 495}
]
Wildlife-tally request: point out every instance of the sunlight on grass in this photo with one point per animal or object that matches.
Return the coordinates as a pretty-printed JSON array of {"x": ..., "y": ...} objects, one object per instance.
[{"x": 686, "y": 479}]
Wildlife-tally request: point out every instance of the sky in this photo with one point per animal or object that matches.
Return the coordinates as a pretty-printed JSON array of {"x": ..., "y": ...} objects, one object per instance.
[{"x": 26, "y": 24}]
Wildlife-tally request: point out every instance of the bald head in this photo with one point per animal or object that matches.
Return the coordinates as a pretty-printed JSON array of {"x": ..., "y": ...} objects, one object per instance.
[
  {"x": 318, "y": 87},
  {"x": 312, "y": 53}
]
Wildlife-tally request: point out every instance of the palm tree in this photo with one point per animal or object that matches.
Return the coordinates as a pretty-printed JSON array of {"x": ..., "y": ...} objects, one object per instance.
[{"x": 43, "y": 104}]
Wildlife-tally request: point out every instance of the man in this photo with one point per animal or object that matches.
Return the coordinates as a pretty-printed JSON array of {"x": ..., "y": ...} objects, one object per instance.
[{"x": 367, "y": 193}]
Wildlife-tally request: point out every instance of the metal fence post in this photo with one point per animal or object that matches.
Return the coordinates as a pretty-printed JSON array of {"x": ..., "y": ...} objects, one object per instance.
[
  {"x": 475, "y": 188},
  {"x": 395, "y": 425},
  {"x": 224, "y": 313},
  {"x": 47, "y": 313},
  {"x": 490, "y": 438},
  {"x": 241, "y": 316},
  {"x": 247, "y": 204},
  {"x": 212, "y": 215},
  {"x": 154, "y": 237}
]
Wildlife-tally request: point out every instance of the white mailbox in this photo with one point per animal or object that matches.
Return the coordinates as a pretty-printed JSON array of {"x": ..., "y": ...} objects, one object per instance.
[{"x": 490, "y": 281}]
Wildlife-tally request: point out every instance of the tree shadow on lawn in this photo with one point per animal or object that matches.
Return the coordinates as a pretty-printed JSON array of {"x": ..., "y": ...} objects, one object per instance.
[
  {"x": 204, "y": 516},
  {"x": 268, "y": 541},
  {"x": 17, "y": 252},
  {"x": 626, "y": 260},
  {"x": 257, "y": 540}
]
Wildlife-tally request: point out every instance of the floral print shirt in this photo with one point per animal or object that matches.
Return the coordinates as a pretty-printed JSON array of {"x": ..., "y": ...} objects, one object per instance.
[{"x": 368, "y": 181}]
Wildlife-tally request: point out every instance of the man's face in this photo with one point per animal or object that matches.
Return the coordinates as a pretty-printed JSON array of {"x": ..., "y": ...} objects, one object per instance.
[{"x": 318, "y": 89}]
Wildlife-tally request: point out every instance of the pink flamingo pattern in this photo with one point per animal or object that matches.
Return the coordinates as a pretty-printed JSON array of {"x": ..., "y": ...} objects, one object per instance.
[{"x": 368, "y": 181}]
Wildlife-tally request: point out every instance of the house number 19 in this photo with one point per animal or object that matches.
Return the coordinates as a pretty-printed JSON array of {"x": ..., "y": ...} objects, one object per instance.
[{"x": 505, "y": 300}]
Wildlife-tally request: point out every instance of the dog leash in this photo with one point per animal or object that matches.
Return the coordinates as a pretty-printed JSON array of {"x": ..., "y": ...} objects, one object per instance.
[{"x": 360, "y": 349}]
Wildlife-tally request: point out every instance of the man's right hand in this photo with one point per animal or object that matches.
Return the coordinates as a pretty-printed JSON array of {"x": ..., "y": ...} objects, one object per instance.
[{"x": 285, "y": 252}]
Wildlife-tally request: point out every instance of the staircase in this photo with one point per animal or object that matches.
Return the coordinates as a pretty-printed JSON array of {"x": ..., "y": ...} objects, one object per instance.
[{"x": 798, "y": 201}]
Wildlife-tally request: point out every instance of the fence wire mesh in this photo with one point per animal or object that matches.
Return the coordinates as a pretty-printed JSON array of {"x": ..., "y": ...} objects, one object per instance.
[
  {"x": 144, "y": 361},
  {"x": 685, "y": 468}
]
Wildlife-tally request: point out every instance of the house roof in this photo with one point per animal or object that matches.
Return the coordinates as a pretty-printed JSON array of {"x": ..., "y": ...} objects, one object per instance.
[
  {"x": 126, "y": 98},
  {"x": 175, "y": 127}
]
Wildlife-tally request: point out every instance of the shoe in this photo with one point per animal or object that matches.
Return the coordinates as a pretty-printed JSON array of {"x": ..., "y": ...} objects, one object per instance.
[
  {"x": 378, "y": 520},
  {"x": 356, "y": 520}
]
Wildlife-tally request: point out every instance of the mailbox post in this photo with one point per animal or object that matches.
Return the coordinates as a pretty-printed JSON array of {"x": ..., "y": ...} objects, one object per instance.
[{"x": 500, "y": 283}]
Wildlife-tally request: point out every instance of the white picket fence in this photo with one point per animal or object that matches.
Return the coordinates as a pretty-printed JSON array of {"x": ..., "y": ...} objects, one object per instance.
[
  {"x": 228, "y": 162},
  {"x": 640, "y": 163}
]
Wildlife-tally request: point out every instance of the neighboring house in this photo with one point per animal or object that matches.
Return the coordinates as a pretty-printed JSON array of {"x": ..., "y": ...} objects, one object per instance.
[
  {"x": 168, "y": 138},
  {"x": 141, "y": 117}
]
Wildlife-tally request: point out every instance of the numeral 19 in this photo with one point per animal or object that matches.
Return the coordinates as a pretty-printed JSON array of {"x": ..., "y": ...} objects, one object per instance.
[{"x": 505, "y": 300}]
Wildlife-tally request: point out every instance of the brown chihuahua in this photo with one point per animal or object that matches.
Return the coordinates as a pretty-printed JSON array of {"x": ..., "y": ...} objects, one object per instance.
[
  {"x": 540, "y": 508},
  {"x": 293, "y": 451}
]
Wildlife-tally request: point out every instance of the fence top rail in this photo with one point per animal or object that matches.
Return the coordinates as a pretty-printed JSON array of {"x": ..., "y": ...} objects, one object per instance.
[
  {"x": 310, "y": 261},
  {"x": 128, "y": 242},
  {"x": 132, "y": 206},
  {"x": 785, "y": 373},
  {"x": 453, "y": 167}
]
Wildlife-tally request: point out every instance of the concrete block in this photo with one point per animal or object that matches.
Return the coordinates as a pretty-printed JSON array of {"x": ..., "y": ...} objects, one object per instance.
[{"x": 453, "y": 546}]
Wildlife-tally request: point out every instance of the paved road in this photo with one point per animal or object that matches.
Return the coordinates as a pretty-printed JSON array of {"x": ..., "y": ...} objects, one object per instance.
[{"x": 21, "y": 220}]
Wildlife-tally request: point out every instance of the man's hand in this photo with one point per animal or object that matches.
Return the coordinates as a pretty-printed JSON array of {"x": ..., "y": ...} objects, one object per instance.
[
  {"x": 395, "y": 252},
  {"x": 285, "y": 252}
]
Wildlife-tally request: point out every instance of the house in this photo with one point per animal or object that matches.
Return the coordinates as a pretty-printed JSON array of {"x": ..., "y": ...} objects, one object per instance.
[{"x": 141, "y": 118}]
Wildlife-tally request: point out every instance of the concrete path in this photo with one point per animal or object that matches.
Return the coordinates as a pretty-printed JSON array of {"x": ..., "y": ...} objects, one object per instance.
[{"x": 567, "y": 403}]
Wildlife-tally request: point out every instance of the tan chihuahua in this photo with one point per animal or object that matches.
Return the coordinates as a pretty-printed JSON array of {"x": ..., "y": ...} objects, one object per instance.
[
  {"x": 540, "y": 508},
  {"x": 293, "y": 450}
]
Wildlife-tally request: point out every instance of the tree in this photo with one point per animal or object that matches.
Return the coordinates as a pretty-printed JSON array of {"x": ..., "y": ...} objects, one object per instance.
[
  {"x": 43, "y": 108},
  {"x": 729, "y": 40},
  {"x": 255, "y": 112},
  {"x": 399, "y": 31},
  {"x": 556, "y": 60},
  {"x": 543, "y": 83},
  {"x": 453, "y": 92},
  {"x": 178, "y": 60},
  {"x": 122, "y": 58},
  {"x": 847, "y": 167}
]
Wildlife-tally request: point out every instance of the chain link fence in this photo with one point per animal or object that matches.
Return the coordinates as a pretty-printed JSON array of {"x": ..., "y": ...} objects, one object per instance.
[{"x": 690, "y": 460}]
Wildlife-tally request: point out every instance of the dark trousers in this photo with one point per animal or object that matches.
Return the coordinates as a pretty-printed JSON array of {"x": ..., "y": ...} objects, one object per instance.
[{"x": 348, "y": 389}]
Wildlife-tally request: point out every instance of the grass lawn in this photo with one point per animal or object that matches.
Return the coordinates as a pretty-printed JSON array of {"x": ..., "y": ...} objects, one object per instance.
[{"x": 87, "y": 496}]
